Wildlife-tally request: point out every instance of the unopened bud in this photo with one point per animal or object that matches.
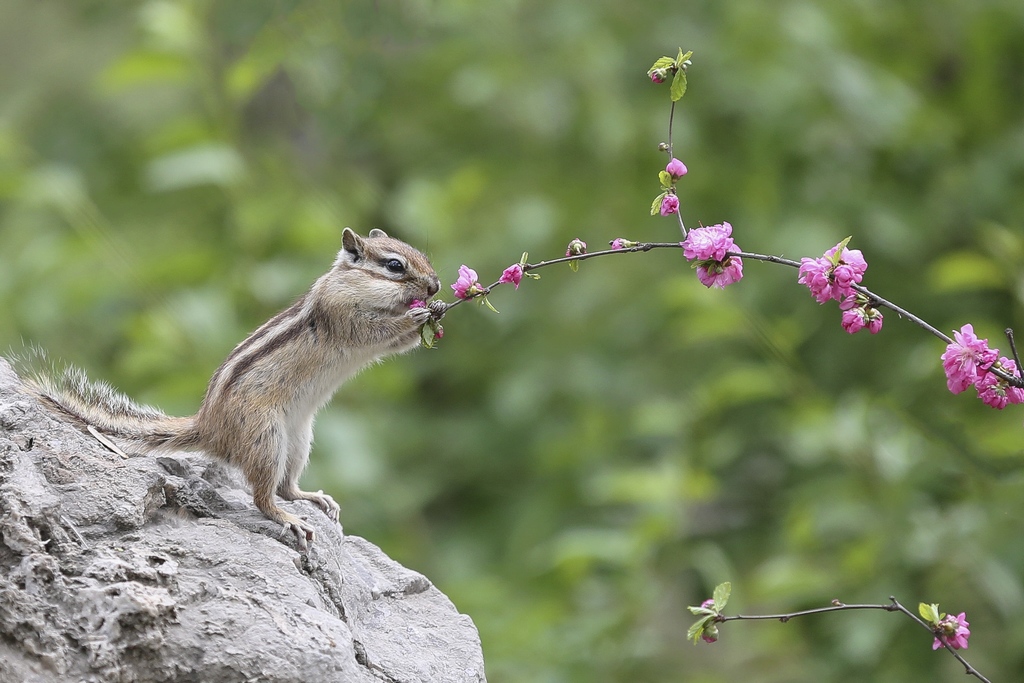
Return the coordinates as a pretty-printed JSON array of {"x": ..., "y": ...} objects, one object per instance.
[{"x": 577, "y": 247}]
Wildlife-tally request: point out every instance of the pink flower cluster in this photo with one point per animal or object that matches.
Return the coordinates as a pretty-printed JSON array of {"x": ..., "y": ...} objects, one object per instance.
[
  {"x": 832, "y": 276},
  {"x": 953, "y": 631},
  {"x": 829, "y": 277},
  {"x": 710, "y": 246},
  {"x": 859, "y": 314},
  {"x": 966, "y": 362}
]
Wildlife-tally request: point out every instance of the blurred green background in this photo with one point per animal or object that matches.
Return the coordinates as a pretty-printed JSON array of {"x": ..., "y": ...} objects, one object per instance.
[{"x": 577, "y": 470}]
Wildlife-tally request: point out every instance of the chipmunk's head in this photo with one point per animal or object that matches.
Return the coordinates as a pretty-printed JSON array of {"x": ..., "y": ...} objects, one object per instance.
[{"x": 386, "y": 270}]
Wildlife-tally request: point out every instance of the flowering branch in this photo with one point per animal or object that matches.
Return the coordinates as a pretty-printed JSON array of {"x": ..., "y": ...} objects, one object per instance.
[
  {"x": 836, "y": 275},
  {"x": 949, "y": 632}
]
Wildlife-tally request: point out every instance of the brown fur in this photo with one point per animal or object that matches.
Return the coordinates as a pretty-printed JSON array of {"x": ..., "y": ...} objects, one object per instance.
[{"x": 259, "y": 406}]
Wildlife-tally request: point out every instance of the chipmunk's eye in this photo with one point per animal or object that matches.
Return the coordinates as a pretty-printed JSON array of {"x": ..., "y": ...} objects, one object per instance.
[{"x": 394, "y": 265}]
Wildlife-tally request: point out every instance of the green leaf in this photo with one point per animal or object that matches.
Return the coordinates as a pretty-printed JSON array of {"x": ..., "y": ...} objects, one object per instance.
[
  {"x": 701, "y": 611},
  {"x": 678, "y": 88},
  {"x": 662, "y": 63},
  {"x": 656, "y": 204},
  {"x": 695, "y": 631},
  {"x": 930, "y": 613},
  {"x": 836, "y": 257},
  {"x": 575, "y": 265},
  {"x": 666, "y": 179},
  {"x": 485, "y": 302},
  {"x": 429, "y": 333},
  {"x": 682, "y": 57},
  {"x": 722, "y": 592}
]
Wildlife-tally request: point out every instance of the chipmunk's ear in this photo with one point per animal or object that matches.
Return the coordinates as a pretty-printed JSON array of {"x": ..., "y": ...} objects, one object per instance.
[
  {"x": 377, "y": 232},
  {"x": 352, "y": 243}
]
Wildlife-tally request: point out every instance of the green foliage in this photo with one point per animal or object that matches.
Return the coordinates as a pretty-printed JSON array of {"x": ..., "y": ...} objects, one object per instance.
[
  {"x": 579, "y": 469},
  {"x": 930, "y": 613}
]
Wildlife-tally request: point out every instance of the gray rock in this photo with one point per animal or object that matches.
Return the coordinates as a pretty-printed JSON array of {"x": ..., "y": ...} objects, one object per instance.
[{"x": 146, "y": 569}]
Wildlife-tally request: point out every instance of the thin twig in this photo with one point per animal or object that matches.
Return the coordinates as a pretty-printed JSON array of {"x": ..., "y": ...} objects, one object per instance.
[
  {"x": 1013, "y": 348},
  {"x": 837, "y": 606},
  {"x": 874, "y": 299}
]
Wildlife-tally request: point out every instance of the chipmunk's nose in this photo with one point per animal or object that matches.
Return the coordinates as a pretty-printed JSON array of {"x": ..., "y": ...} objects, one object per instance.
[{"x": 434, "y": 285}]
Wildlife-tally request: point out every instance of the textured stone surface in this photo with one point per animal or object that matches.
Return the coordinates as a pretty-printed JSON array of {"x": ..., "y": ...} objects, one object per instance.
[{"x": 160, "y": 569}]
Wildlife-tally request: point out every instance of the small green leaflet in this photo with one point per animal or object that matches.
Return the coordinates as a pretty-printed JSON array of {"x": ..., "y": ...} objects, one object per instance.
[
  {"x": 930, "y": 613},
  {"x": 485, "y": 302},
  {"x": 429, "y": 333},
  {"x": 666, "y": 179},
  {"x": 662, "y": 63},
  {"x": 721, "y": 596},
  {"x": 683, "y": 57},
  {"x": 678, "y": 88},
  {"x": 837, "y": 257},
  {"x": 656, "y": 204},
  {"x": 697, "y": 629}
]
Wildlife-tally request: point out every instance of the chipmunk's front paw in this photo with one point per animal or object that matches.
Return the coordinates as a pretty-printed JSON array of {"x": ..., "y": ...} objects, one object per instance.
[
  {"x": 437, "y": 309},
  {"x": 419, "y": 316}
]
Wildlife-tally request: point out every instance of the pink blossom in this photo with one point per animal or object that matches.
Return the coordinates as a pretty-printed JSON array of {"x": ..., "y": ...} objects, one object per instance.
[
  {"x": 577, "y": 247},
  {"x": 954, "y": 632},
  {"x": 814, "y": 273},
  {"x": 854, "y": 320},
  {"x": 417, "y": 303},
  {"x": 676, "y": 169},
  {"x": 857, "y": 315},
  {"x": 874, "y": 321},
  {"x": 669, "y": 204},
  {"x": 622, "y": 243},
  {"x": 512, "y": 275},
  {"x": 965, "y": 359},
  {"x": 709, "y": 247},
  {"x": 720, "y": 273},
  {"x": 657, "y": 75},
  {"x": 996, "y": 391},
  {"x": 467, "y": 285},
  {"x": 832, "y": 280},
  {"x": 711, "y": 242}
]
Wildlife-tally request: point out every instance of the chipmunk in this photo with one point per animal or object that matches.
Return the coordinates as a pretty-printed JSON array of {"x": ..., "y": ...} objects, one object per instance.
[{"x": 258, "y": 410}]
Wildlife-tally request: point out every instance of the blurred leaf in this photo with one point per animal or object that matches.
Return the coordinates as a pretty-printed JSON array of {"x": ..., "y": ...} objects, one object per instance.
[
  {"x": 964, "y": 271},
  {"x": 200, "y": 165}
]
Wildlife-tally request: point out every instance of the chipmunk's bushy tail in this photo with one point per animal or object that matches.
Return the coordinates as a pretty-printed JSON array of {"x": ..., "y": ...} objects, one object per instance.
[{"x": 70, "y": 392}]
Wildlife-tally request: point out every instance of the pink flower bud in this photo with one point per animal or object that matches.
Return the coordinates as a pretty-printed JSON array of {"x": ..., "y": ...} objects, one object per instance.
[
  {"x": 512, "y": 275},
  {"x": 577, "y": 247},
  {"x": 658, "y": 75},
  {"x": 676, "y": 169},
  {"x": 417, "y": 303},
  {"x": 669, "y": 204}
]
